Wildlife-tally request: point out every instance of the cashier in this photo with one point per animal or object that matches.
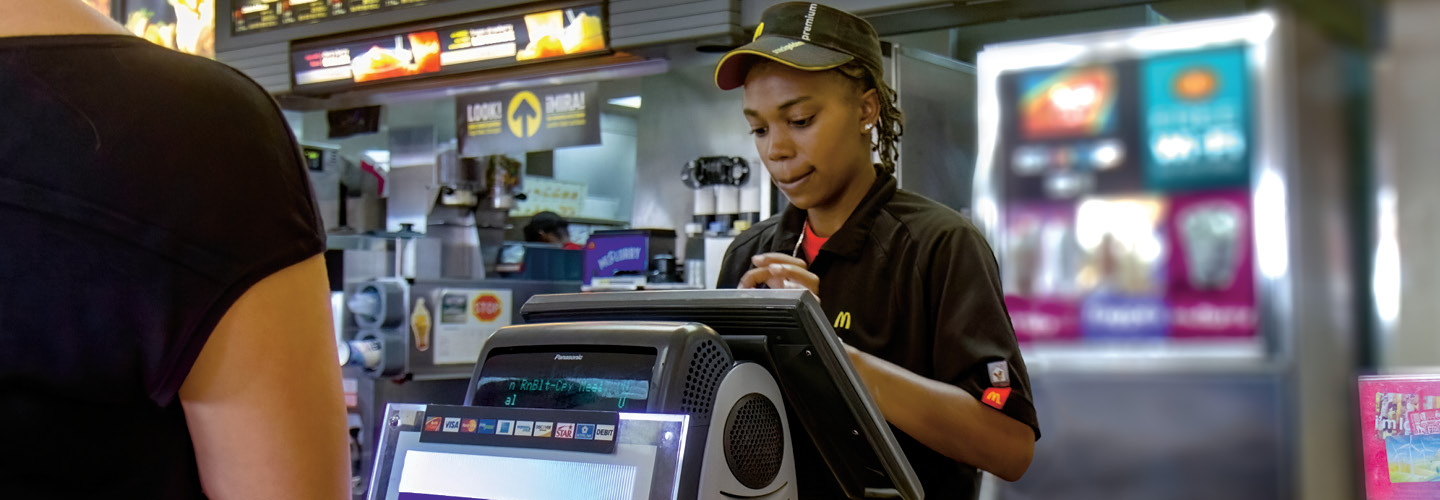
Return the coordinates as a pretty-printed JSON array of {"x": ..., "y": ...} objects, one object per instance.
[{"x": 910, "y": 285}]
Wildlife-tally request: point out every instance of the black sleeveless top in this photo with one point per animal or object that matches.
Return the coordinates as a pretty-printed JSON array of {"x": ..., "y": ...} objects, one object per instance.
[{"x": 142, "y": 191}]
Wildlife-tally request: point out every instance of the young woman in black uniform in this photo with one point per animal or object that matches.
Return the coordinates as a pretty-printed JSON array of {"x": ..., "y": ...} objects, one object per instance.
[{"x": 910, "y": 285}]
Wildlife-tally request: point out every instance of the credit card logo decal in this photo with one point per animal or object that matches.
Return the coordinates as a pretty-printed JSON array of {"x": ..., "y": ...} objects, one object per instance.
[
  {"x": 524, "y": 428},
  {"x": 604, "y": 433},
  {"x": 585, "y": 431}
]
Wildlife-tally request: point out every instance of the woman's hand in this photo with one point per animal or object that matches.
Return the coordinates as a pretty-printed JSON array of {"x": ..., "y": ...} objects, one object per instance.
[{"x": 777, "y": 270}]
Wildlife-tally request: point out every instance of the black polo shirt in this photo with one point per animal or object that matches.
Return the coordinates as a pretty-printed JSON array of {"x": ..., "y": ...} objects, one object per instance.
[
  {"x": 914, "y": 283},
  {"x": 142, "y": 192}
]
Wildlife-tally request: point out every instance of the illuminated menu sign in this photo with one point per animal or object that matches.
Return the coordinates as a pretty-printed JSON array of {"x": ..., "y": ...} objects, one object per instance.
[
  {"x": 1128, "y": 198},
  {"x": 258, "y": 15},
  {"x": 329, "y": 67}
]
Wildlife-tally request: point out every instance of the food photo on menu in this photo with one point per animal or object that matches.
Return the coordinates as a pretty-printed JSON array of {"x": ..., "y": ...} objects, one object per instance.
[
  {"x": 559, "y": 33},
  {"x": 413, "y": 54},
  {"x": 184, "y": 25}
]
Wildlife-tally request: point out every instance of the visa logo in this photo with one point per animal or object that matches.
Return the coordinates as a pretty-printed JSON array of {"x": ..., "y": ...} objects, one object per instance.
[{"x": 452, "y": 425}]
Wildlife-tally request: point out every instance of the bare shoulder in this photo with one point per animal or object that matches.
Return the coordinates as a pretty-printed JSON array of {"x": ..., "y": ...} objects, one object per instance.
[{"x": 54, "y": 17}]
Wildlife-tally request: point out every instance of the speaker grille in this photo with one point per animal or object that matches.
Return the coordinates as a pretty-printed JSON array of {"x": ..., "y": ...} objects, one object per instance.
[
  {"x": 754, "y": 441},
  {"x": 707, "y": 364}
]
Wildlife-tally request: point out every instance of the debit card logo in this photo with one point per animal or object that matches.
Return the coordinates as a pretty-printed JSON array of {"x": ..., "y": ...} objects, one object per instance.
[
  {"x": 524, "y": 428},
  {"x": 604, "y": 433},
  {"x": 486, "y": 427},
  {"x": 585, "y": 431},
  {"x": 433, "y": 424},
  {"x": 544, "y": 429},
  {"x": 565, "y": 431},
  {"x": 505, "y": 428}
]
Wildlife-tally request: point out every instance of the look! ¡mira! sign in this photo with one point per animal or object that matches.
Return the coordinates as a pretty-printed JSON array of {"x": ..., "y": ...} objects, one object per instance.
[{"x": 531, "y": 119}]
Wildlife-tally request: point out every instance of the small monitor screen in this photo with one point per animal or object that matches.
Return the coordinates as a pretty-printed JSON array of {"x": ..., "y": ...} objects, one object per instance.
[{"x": 614, "y": 380}]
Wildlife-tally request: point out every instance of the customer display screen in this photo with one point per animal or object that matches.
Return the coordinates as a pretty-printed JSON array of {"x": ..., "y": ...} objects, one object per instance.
[
  {"x": 415, "y": 461},
  {"x": 571, "y": 380}
]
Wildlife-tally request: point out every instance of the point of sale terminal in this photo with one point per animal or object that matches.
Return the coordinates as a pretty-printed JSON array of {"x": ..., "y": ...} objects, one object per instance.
[{"x": 651, "y": 395}]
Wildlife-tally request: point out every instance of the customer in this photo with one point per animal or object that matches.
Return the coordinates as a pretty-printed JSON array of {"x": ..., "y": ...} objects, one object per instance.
[
  {"x": 550, "y": 227},
  {"x": 165, "y": 326},
  {"x": 909, "y": 284}
]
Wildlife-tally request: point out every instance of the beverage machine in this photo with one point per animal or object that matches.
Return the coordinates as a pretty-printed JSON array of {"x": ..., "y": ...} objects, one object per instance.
[
  {"x": 1168, "y": 208},
  {"x": 421, "y": 298}
]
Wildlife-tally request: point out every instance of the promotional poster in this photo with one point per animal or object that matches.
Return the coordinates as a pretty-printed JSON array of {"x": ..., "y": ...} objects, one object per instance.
[{"x": 1400, "y": 436}]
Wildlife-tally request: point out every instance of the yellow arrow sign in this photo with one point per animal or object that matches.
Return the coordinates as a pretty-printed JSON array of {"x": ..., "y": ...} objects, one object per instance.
[{"x": 524, "y": 114}]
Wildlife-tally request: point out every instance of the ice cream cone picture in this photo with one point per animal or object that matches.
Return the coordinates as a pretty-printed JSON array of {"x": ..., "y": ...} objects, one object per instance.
[{"x": 420, "y": 325}]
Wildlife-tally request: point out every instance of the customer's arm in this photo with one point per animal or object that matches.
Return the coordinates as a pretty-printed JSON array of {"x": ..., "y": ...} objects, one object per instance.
[{"x": 263, "y": 401}]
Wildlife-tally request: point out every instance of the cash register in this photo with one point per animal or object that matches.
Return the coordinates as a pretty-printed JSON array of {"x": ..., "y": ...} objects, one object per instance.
[{"x": 747, "y": 384}]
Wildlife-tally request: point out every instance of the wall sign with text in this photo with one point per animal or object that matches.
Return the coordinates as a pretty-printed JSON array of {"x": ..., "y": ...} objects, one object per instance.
[
  {"x": 331, "y": 66},
  {"x": 537, "y": 119}
]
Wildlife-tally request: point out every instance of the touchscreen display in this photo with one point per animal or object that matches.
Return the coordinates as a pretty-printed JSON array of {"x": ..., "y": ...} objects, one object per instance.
[{"x": 574, "y": 380}]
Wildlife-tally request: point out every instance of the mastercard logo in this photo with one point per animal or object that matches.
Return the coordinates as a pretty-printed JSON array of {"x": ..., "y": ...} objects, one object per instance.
[{"x": 1196, "y": 83}]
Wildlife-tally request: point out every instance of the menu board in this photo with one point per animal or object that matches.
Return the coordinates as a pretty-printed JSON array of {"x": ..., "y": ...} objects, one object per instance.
[
  {"x": 1128, "y": 209},
  {"x": 475, "y": 45},
  {"x": 250, "y": 16},
  {"x": 1400, "y": 436}
]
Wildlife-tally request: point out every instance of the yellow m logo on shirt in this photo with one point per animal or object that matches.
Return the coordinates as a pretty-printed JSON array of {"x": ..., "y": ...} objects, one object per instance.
[
  {"x": 994, "y": 397},
  {"x": 842, "y": 320}
]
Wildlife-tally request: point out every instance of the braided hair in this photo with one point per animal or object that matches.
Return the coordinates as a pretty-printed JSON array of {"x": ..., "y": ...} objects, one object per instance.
[{"x": 891, "y": 122}]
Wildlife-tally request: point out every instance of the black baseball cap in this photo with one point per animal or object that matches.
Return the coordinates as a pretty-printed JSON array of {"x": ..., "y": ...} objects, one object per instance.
[{"x": 802, "y": 35}]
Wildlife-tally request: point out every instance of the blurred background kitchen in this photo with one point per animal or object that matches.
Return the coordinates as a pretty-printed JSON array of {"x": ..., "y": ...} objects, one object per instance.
[{"x": 1211, "y": 215}]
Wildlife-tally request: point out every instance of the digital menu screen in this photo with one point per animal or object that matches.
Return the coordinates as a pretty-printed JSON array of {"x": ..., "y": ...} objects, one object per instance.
[
  {"x": 451, "y": 49},
  {"x": 251, "y": 16},
  {"x": 1128, "y": 208},
  {"x": 580, "y": 380}
]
